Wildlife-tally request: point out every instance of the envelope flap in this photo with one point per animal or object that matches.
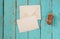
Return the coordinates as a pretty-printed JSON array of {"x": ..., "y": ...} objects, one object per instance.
[{"x": 29, "y": 10}]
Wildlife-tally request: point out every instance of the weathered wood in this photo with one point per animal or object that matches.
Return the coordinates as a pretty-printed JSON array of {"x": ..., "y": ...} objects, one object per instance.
[
  {"x": 9, "y": 19},
  {"x": 45, "y": 28},
  {"x": 1, "y": 19},
  {"x": 9, "y": 29},
  {"x": 18, "y": 34},
  {"x": 56, "y": 21}
]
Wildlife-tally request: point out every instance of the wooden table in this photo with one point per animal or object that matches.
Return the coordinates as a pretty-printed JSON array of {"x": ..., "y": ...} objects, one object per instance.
[{"x": 9, "y": 13}]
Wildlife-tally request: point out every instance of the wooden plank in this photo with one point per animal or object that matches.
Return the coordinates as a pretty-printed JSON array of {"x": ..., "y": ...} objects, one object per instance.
[
  {"x": 45, "y": 28},
  {"x": 56, "y": 22},
  {"x": 9, "y": 19},
  {"x": 1, "y": 19},
  {"x": 18, "y": 34},
  {"x": 34, "y": 34},
  {"x": 34, "y": 2}
]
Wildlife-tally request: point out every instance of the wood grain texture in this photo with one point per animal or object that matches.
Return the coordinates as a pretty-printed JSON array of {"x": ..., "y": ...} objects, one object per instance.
[
  {"x": 9, "y": 29},
  {"x": 9, "y": 19},
  {"x": 18, "y": 34},
  {"x": 45, "y": 28},
  {"x": 35, "y": 34},
  {"x": 56, "y": 21},
  {"x": 1, "y": 19}
]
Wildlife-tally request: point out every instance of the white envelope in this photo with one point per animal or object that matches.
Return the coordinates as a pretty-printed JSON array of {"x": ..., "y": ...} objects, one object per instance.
[
  {"x": 30, "y": 10},
  {"x": 27, "y": 24}
]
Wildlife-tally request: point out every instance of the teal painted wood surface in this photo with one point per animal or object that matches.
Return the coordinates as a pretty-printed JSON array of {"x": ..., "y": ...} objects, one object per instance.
[
  {"x": 45, "y": 28},
  {"x": 1, "y": 19},
  {"x": 18, "y": 34},
  {"x": 11, "y": 12},
  {"x": 9, "y": 19},
  {"x": 56, "y": 23}
]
